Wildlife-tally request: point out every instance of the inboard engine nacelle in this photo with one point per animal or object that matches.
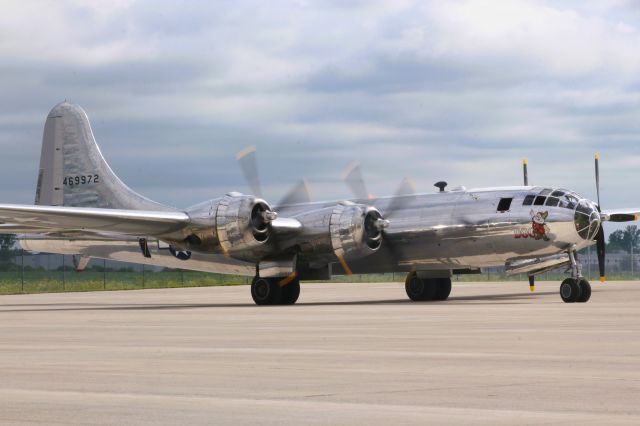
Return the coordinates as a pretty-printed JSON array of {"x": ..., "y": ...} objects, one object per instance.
[{"x": 346, "y": 230}]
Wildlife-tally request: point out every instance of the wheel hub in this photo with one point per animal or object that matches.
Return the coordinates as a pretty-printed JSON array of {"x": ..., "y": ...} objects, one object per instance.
[
  {"x": 262, "y": 289},
  {"x": 565, "y": 290}
]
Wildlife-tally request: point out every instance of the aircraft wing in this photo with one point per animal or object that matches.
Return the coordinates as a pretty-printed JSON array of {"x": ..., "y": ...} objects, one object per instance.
[
  {"x": 60, "y": 219},
  {"x": 622, "y": 215}
]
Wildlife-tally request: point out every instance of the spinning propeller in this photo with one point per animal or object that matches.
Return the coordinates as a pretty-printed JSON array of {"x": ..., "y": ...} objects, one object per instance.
[
  {"x": 403, "y": 195},
  {"x": 300, "y": 193}
]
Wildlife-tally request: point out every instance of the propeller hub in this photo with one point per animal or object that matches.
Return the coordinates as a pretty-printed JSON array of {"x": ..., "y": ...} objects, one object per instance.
[
  {"x": 269, "y": 216},
  {"x": 381, "y": 224}
]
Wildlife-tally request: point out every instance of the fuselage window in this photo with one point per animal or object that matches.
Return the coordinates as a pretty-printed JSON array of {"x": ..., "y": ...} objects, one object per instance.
[
  {"x": 504, "y": 204},
  {"x": 528, "y": 200},
  {"x": 551, "y": 202},
  {"x": 539, "y": 201}
]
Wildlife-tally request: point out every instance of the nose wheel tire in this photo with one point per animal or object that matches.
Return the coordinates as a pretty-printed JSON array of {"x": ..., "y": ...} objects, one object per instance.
[
  {"x": 585, "y": 291},
  {"x": 269, "y": 291},
  {"x": 575, "y": 290}
]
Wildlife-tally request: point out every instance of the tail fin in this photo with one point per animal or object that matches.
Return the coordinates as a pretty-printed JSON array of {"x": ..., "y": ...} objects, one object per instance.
[{"x": 73, "y": 171}]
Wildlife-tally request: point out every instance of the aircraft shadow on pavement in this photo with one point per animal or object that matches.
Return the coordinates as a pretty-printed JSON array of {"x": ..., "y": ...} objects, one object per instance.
[{"x": 509, "y": 298}]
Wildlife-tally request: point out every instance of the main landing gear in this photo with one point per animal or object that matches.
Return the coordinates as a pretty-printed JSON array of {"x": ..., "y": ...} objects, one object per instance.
[
  {"x": 576, "y": 288},
  {"x": 420, "y": 289},
  {"x": 275, "y": 290}
]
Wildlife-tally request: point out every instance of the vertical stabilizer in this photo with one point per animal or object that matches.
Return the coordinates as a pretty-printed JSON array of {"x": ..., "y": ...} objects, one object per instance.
[{"x": 73, "y": 171}]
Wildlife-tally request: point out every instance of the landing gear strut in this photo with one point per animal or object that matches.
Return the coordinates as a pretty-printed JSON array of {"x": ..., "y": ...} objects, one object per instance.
[
  {"x": 421, "y": 289},
  {"x": 576, "y": 288},
  {"x": 275, "y": 290}
]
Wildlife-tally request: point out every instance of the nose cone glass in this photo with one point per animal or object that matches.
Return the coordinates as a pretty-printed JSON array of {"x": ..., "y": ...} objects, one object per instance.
[{"x": 587, "y": 220}]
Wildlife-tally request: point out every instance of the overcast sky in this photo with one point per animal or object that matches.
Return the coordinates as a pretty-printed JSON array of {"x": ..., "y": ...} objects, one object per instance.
[{"x": 455, "y": 91}]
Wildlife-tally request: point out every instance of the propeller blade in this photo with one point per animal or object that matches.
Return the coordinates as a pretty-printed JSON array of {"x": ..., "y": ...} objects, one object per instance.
[
  {"x": 601, "y": 251},
  {"x": 402, "y": 196},
  {"x": 352, "y": 176},
  {"x": 247, "y": 160},
  {"x": 525, "y": 173},
  {"x": 300, "y": 193},
  {"x": 532, "y": 282},
  {"x": 597, "y": 179},
  {"x": 345, "y": 266}
]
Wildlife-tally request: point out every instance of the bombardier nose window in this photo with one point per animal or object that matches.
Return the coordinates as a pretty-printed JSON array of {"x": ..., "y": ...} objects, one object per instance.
[{"x": 587, "y": 220}]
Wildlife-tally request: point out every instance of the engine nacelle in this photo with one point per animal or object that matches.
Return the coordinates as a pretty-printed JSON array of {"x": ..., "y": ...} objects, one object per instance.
[
  {"x": 355, "y": 230},
  {"x": 346, "y": 231},
  {"x": 243, "y": 223}
]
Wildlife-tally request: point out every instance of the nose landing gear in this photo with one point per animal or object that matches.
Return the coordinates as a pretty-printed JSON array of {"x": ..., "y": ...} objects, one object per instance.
[{"x": 576, "y": 288}]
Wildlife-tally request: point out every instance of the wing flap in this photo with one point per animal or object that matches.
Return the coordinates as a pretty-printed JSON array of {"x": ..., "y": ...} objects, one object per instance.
[{"x": 60, "y": 219}]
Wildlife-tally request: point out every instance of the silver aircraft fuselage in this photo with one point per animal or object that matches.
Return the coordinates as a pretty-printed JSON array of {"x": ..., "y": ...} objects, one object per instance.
[{"x": 453, "y": 230}]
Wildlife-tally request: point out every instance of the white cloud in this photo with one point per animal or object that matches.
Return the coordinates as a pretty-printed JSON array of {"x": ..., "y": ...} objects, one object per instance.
[{"x": 459, "y": 91}]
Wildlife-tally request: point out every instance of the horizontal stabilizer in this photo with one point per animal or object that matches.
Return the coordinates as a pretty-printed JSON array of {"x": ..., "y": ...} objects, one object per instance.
[{"x": 60, "y": 219}]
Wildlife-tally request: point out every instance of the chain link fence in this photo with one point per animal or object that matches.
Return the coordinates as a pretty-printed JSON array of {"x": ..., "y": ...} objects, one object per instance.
[{"x": 25, "y": 272}]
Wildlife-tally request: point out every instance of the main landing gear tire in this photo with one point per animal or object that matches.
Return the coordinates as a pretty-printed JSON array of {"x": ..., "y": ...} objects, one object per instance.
[
  {"x": 575, "y": 290},
  {"x": 425, "y": 289},
  {"x": 290, "y": 293},
  {"x": 269, "y": 291},
  {"x": 444, "y": 289}
]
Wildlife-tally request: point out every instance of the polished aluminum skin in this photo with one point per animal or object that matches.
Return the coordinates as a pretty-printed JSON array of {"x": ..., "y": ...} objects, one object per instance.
[{"x": 84, "y": 209}]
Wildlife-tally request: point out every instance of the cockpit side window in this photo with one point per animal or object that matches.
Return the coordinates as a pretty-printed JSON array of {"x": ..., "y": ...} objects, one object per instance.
[
  {"x": 528, "y": 200},
  {"x": 572, "y": 201},
  {"x": 539, "y": 201},
  {"x": 552, "y": 202},
  {"x": 545, "y": 191},
  {"x": 557, "y": 193}
]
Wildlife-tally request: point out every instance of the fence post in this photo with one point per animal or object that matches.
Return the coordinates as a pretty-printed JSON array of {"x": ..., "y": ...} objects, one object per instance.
[{"x": 22, "y": 274}]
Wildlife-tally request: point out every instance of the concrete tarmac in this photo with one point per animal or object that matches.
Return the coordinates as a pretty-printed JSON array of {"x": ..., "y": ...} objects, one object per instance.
[{"x": 345, "y": 354}]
